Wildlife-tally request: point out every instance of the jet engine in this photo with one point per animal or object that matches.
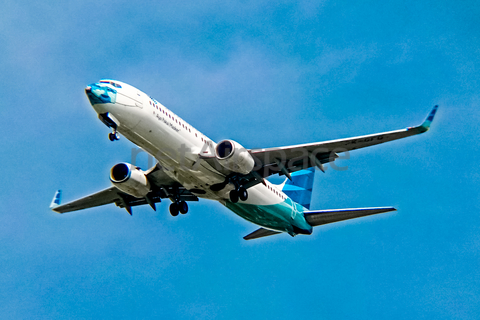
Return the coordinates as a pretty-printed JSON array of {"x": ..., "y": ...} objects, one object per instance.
[
  {"x": 130, "y": 179},
  {"x": 231, "y": 155}
]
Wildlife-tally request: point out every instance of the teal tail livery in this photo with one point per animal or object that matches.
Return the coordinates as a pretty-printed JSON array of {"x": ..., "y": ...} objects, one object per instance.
[
  {"x": 190, "y": 166},
  {"x": 299, "y": 188}
]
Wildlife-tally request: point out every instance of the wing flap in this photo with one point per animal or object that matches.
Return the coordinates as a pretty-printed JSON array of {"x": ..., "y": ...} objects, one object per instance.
[{"x": 320, "y": 217}]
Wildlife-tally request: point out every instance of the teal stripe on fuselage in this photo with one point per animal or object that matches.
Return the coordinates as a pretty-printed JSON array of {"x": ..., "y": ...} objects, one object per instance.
[{"x": 286, "y": 216}]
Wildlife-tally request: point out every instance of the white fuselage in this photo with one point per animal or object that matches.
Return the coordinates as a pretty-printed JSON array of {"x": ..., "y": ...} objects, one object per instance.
[
  {"x": 175, "y": 144},
  {"x": 180, "y": 148}
]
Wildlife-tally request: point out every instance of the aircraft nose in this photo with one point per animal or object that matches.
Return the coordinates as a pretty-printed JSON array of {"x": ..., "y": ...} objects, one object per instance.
[{"x": 98, "y": 94}]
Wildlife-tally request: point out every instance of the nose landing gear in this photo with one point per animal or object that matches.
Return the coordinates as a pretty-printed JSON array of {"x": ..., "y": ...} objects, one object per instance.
[
  {"x": 113, "y": 136},
  {"x": 110, "y": 122}
]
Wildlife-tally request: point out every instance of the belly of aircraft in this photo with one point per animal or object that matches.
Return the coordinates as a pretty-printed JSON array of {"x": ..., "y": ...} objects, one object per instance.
[
  {"x": 198, "y": 177},
  {"x": 274, "y": 217}
]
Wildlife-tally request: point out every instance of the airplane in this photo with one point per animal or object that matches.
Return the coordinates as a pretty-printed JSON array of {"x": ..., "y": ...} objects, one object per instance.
[{"x": 189, "y": 166}]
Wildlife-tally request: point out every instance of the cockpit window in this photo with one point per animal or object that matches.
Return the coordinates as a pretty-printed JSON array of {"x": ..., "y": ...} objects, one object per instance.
[{"x": 116, "y": 85}]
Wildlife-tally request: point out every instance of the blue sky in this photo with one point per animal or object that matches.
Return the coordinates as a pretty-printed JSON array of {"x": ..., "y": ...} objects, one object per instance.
[{"x": 264, "y": 74}]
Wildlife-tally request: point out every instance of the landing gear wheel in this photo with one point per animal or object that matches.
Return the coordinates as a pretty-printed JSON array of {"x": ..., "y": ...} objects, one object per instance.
[
  {"x": 183, "y": 207},
  {"x": 174, "y": 209},
  {"x": 112, "y": 136},
  {"x": 234, "y": 196},
  {"x": 242, "y": 194}
]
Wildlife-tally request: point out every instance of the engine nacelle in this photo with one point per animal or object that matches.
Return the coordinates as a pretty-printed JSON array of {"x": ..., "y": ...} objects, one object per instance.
[
  {"x": 129, "y": 179},
  {"x": 231, "y": 155}
]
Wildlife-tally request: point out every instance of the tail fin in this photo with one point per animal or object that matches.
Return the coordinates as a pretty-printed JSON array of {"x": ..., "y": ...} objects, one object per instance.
[{"x": 299, "y": 189}]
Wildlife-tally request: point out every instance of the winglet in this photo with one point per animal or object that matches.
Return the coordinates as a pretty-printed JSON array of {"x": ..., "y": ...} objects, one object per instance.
[
  {"x": 56, "y": 199},
  {"x": 426, "y": 124}
]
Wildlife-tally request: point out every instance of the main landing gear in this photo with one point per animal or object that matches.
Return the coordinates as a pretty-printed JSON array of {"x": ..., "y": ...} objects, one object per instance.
[
  {"x": 178, "y": 207},
  {"x": 239, "y": 193},
  {"x": 113, "y": 135}
]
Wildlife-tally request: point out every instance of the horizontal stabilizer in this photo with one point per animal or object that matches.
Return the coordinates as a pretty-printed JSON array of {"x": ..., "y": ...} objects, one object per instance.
[
  {"x": 319, "y": 217},
  {"x": 260, "y": 233}
]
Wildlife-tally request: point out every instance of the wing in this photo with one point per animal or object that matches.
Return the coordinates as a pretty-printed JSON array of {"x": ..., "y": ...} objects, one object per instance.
[
  {"x": 293, "y": 158},
  {"x": 94, "y": 200},
  {"x": 162, "y": 187},
  {"x": 319, "y": 217}
]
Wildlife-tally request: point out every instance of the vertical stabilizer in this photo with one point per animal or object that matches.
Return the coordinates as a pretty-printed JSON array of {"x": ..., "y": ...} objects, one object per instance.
[{"x": 299, "y": 189}]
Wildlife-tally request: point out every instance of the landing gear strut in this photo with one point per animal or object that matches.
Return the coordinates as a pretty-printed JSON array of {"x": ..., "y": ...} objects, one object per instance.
[
  {"x": 178, "y": 207},
  {"x": 240, "y": 193}
]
